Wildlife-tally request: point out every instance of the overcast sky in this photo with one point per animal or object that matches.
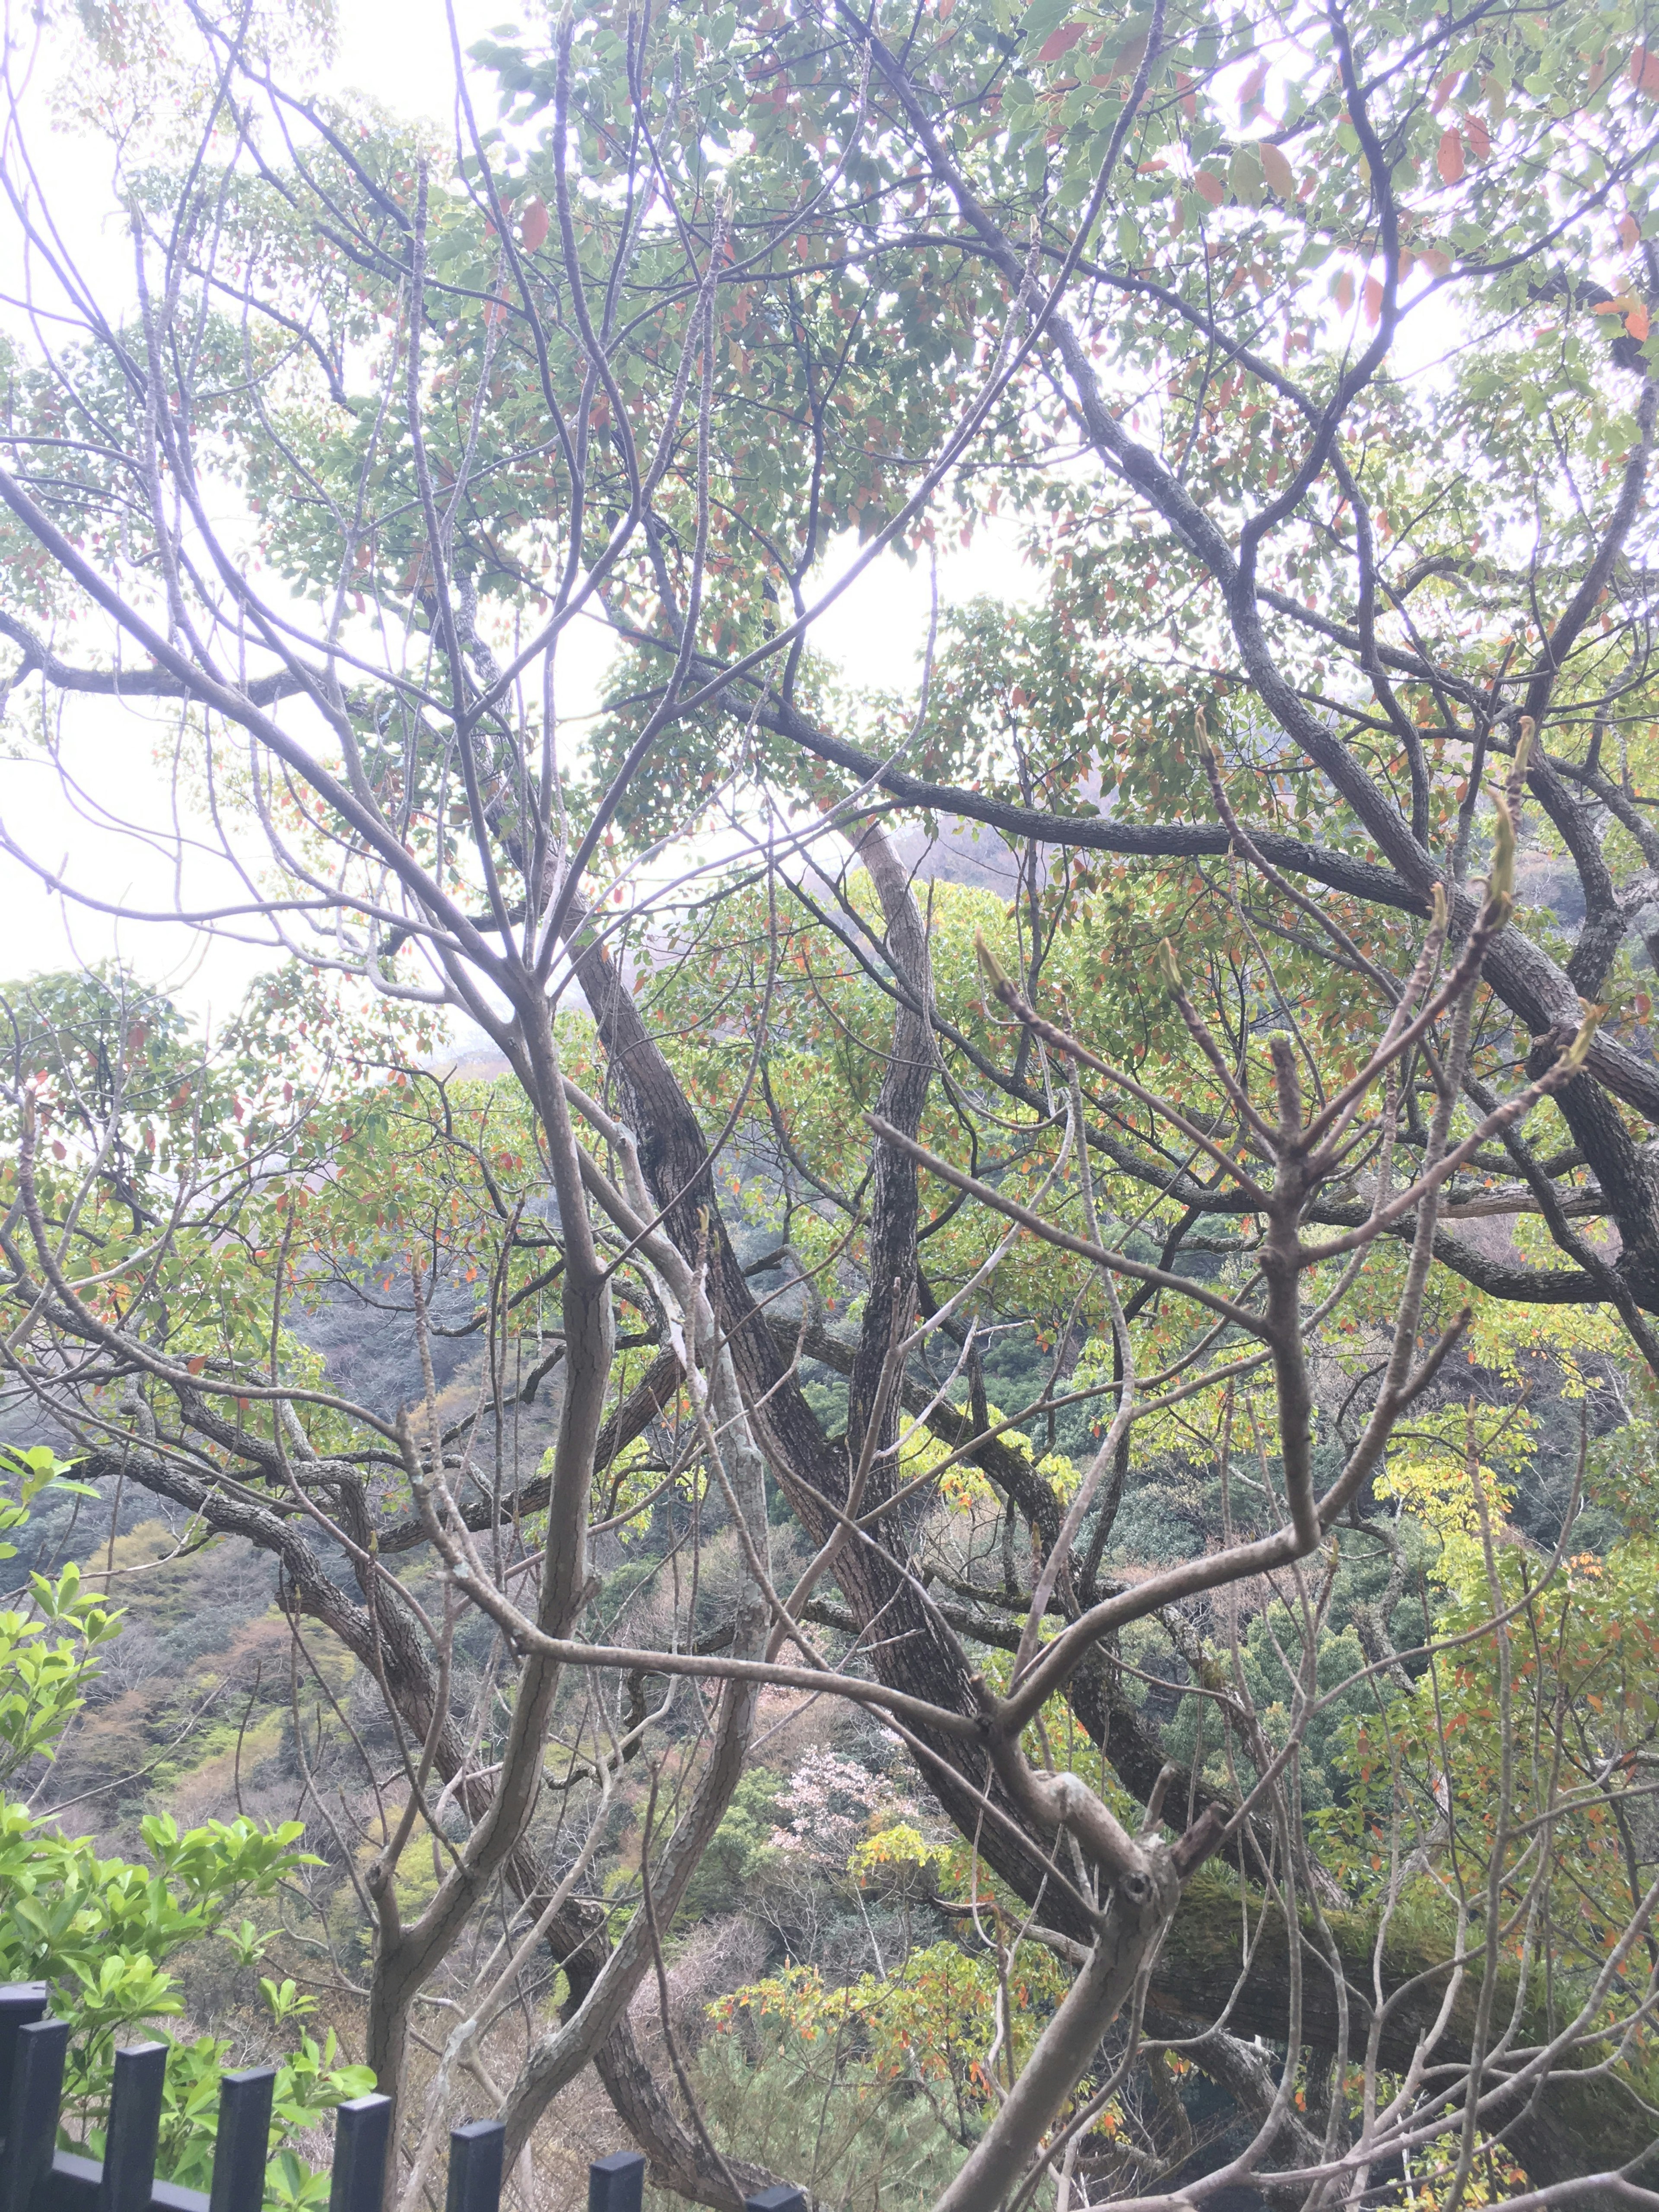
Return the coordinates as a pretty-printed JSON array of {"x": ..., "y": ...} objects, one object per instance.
[{"x": 400, "y": 53}]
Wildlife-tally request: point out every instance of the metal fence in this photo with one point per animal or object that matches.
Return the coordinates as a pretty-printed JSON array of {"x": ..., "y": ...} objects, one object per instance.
[{"x": 35, "y": 2176}]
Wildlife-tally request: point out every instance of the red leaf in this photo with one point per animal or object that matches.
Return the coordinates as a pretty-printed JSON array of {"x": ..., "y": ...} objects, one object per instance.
[
  {"x": 1480, "y": 138},
  {"x": 1628, "y": 232},
  {"x": 533, "y": 225},
  {"x": 1644, "y": 72},
  {"x": 1449, "y": 159},
  {"x": 1343, "y": 292},
  {"x": 1059, "y": 42},
  {"x": 1636, "y": 324},
  {"x": 1209, "y": 186}
]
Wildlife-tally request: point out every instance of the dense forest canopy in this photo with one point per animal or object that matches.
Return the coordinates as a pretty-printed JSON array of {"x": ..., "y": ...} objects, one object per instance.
[{"x": 975, "y": 1516}]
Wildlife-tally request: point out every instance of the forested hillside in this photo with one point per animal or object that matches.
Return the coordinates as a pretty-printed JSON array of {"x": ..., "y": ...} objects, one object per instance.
[{"x": 969, "y": 1518}]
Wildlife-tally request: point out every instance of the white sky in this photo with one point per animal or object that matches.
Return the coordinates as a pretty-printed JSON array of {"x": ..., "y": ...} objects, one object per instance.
[{"x": 400, "y": 54}]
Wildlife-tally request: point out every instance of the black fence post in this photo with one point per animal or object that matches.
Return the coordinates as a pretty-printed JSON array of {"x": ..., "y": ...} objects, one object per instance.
[
  {"x": 134, "y": 2128},
  {"x": 21, "y": 2004},
  {"x": 362, "y": 2131},
  {"x": 475, "y": 2166},
  {"x": 617, "y": 2183},
  {"x": 37, "y": 2090},
  {"x": 242, "y": 2150},
  {"x": 780, "y": 2197},
  {"x": 36, "y": 2177}
]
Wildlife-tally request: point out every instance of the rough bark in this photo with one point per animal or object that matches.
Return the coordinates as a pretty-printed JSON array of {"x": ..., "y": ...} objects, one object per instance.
[{"x": 915, "y": 1649}]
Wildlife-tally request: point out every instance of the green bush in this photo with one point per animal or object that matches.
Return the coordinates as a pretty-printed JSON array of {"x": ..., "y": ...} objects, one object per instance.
[
  {"x": 814, "y": 2112},
  {"x": 101, "y": 1932}
]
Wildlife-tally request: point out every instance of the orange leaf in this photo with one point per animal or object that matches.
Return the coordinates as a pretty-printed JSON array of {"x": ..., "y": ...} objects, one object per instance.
[
  {"x": 1209, "y": 186},
  {"x": 1636, "y": 323},
  {"x": 1277, "y": 170},
  {"x": 1373, "y": 301},
  {"x": 1644, "y": 72},
  {"x": 1480, "y": 138},
  {"x": 1059, "y": 42},
  {"x": 1449, "y": 159},
  {"x": 1343, "y": 293},
  {"x": 533, "y": 225},
  {"x": 1628, "y": 232}
]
